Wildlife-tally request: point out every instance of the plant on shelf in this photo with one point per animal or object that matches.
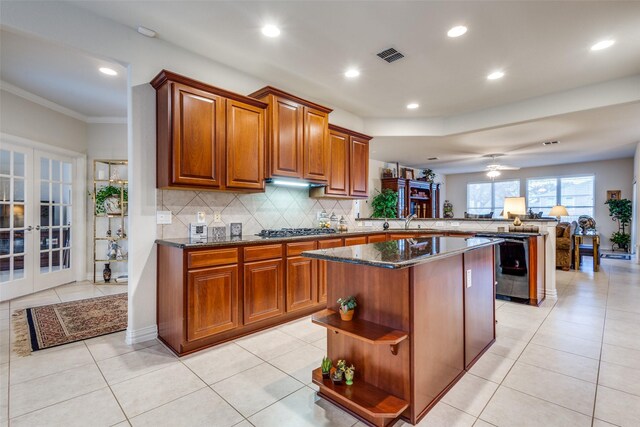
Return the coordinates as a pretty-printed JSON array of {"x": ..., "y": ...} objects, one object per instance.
[
  {"x": 107, "y": 199},
  {"x": 336, "y": 377},
  {"x": 429, "y": 175},
  {"x": 348, "y": 374},
  {"x": 385, "y": 204},
  {"x": 347, "y": 306},
  {"x": 620, "y": 210},
  {"x": 326, "y": 367}
]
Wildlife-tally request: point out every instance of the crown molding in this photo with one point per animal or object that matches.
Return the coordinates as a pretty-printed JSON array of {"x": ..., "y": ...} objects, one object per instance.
[{"x": 36, "y": 99}]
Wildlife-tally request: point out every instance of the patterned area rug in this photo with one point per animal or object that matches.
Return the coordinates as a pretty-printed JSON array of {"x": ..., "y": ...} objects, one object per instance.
[{"x": 51, "y": 325}]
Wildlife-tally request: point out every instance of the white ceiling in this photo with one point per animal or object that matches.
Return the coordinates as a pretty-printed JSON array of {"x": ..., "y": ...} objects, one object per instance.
[
  {"x": 63, "y": 76},
  {"x": 598, "y": 134},
  {"x": 542, "y": 46}
]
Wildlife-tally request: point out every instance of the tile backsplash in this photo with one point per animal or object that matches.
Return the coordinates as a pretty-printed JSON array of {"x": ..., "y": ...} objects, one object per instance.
[{"x": 277, "y": 207}]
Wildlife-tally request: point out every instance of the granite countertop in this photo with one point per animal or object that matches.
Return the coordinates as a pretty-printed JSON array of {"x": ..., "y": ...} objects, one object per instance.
[
  {"x": 401, "y": 253},
  {"x": 185, "y": 243},
  {"x": 549, "y": 219}
]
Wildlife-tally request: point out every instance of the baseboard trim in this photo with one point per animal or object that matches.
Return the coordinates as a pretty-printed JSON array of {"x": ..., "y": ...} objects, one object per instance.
[
  {"x": 141, "y": 335},
  {"x": 551, "y": 293}
]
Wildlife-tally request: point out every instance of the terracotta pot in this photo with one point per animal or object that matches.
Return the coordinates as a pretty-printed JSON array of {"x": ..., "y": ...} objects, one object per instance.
[{"x": 346, "y": 316}]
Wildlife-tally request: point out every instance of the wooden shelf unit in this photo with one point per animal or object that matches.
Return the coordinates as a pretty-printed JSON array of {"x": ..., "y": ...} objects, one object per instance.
[
  {"x": 362, "y": 330},
  {"x": 377, "y": 403}
]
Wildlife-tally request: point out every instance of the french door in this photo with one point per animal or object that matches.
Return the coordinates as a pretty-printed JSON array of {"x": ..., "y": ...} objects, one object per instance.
[{"x": 36, "y": 210}]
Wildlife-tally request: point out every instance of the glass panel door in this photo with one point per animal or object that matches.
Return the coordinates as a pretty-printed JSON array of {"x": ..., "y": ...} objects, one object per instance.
[
  {"x": 16, "y": 229},
  {"x": 55, "y": 204}
]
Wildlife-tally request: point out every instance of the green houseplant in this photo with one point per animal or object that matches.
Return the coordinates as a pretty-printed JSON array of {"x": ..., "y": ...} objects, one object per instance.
[
  {"x": 429, "y": 175},
  {"x": 620, "y": 210},
  {"x": 347, "y": 305},
  {"x": 348, "y": 374},
  {"x": 326, "y": 367},
  {"x": 106, "y": 197},
  {"x": 385, "y": 204}
]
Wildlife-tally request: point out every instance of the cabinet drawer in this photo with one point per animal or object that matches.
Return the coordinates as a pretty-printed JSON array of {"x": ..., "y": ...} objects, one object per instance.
[
  {"x": 329, "y": 243},
  {"x": 376, "y": 238},
  {"x": 401, "y": 236},
  {"x": 294, "y": 249},
  {"x": 352, "y": 241},
  {"x": 258, "y": 253},
  {"x": 200, "y": 259}
]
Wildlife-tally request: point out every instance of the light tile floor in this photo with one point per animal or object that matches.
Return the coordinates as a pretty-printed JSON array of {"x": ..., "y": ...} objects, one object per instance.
[{"x": 574, "y": 362}]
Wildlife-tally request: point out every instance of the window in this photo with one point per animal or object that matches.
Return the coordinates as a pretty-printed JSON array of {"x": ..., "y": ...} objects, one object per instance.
[
  {"x": 573, "y": 192},
  {"x": 485, "y": 197}
]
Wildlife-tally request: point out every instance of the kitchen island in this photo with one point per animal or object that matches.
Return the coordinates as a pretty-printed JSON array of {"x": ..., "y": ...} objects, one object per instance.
[{"x": 425, "y": 314}]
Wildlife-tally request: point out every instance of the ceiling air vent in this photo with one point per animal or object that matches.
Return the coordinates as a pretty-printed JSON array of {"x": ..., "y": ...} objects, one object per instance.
[
  {"x": 550, "y": 142},
  {"x": 390, "y": 55}
]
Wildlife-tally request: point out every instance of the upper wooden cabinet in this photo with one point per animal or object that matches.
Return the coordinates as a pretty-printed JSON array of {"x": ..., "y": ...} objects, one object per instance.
[
  {"x": 298, "y": 141},
  {"x": 207, "y": 138},
  {"x": 348, "y": 165}
]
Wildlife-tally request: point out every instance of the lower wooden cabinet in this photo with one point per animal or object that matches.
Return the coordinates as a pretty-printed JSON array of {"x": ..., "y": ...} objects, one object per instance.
[
  {"x": 322, "y": 268},
  {"x": 212, "y": 301},
  {"x": 302, "y": 283},
  {"x": 263, "y": 290},
  {"x": 352, "y": 241},
  {"x": 374, "y": 238}
]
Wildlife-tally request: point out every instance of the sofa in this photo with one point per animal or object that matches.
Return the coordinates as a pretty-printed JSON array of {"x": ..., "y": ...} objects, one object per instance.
[{"x": 564, "y": 244}]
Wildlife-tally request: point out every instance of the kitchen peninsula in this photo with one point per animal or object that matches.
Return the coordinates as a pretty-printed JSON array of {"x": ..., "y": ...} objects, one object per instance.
[{"x": 425, "y": 314}]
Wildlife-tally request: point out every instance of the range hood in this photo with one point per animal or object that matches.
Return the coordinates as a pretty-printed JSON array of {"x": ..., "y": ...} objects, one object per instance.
[{"x": 297, "y": 183}]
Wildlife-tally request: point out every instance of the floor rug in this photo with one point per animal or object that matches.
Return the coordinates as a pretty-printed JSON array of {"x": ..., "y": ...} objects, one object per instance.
[
  {"x": 616, "y": 256},
  {"x": 51, "y": 325}
]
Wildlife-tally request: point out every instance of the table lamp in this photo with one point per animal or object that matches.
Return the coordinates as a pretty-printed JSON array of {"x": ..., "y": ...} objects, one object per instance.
[
  {"x": 515, "y": 206},
  {"x": 558, "y": 211}
]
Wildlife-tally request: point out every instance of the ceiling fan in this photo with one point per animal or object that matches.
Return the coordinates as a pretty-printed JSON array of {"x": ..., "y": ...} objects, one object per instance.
[{"x": 494, "y": 168}]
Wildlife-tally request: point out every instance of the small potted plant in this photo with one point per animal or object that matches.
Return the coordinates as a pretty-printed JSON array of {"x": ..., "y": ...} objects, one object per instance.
[
  {"x": 326, "y": 367},
  {"x": 336, "y": 377},
  {"x": 348, "y": 374},
  {"x": 347, "y": 305}
]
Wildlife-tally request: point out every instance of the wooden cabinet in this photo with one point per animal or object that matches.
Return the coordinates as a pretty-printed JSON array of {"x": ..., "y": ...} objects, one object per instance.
[
  {"x": 203, "y": 131},
  {"x": 298, "y": 139},
  {"x": 301, "y": 277},
  {"x": 415, "y": 197},
  {"x": 338, "y": 184},
  {"x": 352, "y": 241},
  {"x": 212, "y": 301},
  {"x": 479, "y": 307},
  {"x": 322, "y": 268},
  {"x": 374, "y": 238},
  {"x": 359, "y": 161},
  {"x": 245, "y": 146},
  {"x": 263, "y": 290}
]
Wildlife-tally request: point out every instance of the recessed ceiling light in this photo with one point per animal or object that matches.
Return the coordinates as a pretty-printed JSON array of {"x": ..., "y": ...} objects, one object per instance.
[
  {"x": 352, "y": 73},
  {"x": 270, "y": 30},
  {"x": 413, "y": 106},
  {"x": 108, "y": 71},
  {"x": 147, "y": 32},
  {"x": 603, "y": 44},
  {"x": 496, "y": 75},
  {"x": 457, "y": 31}
]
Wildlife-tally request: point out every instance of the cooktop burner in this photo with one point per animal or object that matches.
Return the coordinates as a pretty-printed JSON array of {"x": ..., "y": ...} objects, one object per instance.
[{"x": 292, "y": 232}]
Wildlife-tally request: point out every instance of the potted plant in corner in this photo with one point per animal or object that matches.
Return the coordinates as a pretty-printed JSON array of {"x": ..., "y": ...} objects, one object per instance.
[
  {"x": 347, "y": 306},
  {"x": 326, "y": 367},
  {"x": 620, "y": 210}
]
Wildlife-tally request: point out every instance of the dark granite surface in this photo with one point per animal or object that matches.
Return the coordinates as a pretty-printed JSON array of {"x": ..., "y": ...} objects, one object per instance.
[
  {"x": 460, "y": 219},
  {"x": 401, "y": 253},
  {"x": 251, "y": 239}
]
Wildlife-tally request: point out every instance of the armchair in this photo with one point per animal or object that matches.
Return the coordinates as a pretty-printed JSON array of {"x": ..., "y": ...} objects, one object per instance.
[{"x": 564, "y": 244}]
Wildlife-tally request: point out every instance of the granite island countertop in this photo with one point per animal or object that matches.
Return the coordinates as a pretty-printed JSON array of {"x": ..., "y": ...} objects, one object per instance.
[{"x": 402, "y": 253}]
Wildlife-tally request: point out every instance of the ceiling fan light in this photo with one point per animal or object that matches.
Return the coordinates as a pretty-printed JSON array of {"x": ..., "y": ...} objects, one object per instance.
[{"x": 493, "y": 173}]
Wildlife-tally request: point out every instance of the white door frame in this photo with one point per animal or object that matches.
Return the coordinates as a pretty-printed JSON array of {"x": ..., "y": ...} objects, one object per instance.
[{"x": 79, "y": 241}]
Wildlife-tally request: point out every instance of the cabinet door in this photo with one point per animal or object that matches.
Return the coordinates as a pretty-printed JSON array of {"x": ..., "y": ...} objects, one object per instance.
[
  {"x": 338, "y": 179},
  {"x": 352, "y": 241},
  {"x": 302, "y": 283},
  {"x": 479, "y": 302},
  {"x": 286, "y": 138},
  {"x": 263, "y": 290},
  {"x": 377, "y": 238},
  {"x": 359, "y": 171},
  {"x": 198, "y": 137},
  {"x": 245, "y": 146},
  {"x": 212, "y": 301},
  {"x": 322, "y": 268},
  {"x": 316, "y": 144}
]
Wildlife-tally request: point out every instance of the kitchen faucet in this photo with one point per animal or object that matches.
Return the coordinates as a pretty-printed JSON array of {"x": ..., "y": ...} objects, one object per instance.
[{"x": 408, "y": 220}]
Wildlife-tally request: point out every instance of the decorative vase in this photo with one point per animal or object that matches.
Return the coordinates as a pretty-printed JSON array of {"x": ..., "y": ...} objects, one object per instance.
[
  {"x": 112, "y": 205},
  {"x": 106, "y": 273},
  {"x": 349, "y": 377},
  {"x": 346, "y": 316},
  {"x": 385, "y": 225}
]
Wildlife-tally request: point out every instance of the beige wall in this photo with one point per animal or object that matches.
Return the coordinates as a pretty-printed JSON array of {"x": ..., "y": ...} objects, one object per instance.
[
  {"x": 609, "y": 175},
  {"x": 26, "y": 119}
]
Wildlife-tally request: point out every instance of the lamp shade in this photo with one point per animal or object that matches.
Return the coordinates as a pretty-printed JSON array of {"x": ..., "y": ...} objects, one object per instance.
[
  {"x": 558, "y": 210},
  {"x": 514, "y": 206}
]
